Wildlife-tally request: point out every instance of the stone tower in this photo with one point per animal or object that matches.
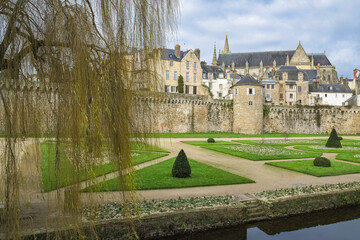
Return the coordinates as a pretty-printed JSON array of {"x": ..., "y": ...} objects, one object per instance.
[
  {"x": 248, "y": 106},
  {"x": 226, "y": 46}
]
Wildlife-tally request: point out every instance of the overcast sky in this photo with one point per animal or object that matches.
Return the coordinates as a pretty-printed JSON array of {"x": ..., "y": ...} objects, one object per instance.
[{"x": 267, "y": 25}]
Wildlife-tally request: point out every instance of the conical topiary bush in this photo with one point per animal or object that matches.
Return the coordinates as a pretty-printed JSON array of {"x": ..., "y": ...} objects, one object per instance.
[
  {"x": 333, "y": 141},
  {"x": 181, "y": 167}
]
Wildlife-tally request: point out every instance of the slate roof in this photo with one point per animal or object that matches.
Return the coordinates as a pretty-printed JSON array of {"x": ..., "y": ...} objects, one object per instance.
[
  {"x": 169, "y": 54},
  {"x": 269, "y": 80},
  {"x": 248, "y": 80},
  {"x": 211, "y": 69},
  {"x": 237, "y": 76},
  {"x": 311, "y": 74},
  {"x": 330, "y": 88},
  {"x": 268, "y": 57},
  {"x": 292, "y": 72}
]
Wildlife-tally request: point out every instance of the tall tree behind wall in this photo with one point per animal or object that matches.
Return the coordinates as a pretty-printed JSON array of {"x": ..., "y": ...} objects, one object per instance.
[{"x": 92, "y": 52}]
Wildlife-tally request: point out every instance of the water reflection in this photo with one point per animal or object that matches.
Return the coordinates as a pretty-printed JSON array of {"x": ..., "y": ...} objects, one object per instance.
[{"x": 334, "y": 224}]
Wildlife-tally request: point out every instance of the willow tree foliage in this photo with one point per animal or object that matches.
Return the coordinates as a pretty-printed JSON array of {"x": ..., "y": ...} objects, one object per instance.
[{"x": 71, "y": 68}]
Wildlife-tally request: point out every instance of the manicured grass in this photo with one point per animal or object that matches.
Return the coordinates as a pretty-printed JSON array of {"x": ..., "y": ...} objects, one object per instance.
[
  {"x": 229, "y": 135},
  {"x": 350, "y": 142},
  {"x": 283, "y": 142},
  {"x": 322, "y": 148},
  {"x": 159, "y": 176},
  {"x": 67, "y": 173},
  {"x": 205, "y": 143},
  {"x": 307, "y": 167},
  {"x": 141, "y": 146},
  {"x": 349, "y": 156},
  {"x": 258, "y": 153}
]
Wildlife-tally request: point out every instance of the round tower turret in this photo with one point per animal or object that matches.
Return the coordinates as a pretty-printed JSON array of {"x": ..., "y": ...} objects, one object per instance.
[{"x": 248, "y": 106}]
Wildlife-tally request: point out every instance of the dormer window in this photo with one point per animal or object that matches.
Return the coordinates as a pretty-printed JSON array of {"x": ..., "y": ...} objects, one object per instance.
[
  {"x": 191, "y": 55},
  {"x": 301, "y": 76},
  {"x": 285, "y": 76}
]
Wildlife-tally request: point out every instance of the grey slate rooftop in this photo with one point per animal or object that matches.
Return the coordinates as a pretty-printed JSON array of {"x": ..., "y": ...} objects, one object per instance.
[
  {"x": 248, "y": 80},
  {"x": 169, "y": 54},
  {"x": 292, "y": 72},
  {"x": 330, "y": 88},
  {"x": 268, "y": 57}
]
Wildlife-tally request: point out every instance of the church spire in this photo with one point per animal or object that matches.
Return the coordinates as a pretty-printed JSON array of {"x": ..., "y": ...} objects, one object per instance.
[
  {"x": 226, "y": 46},
  {"x": 214, "y": 61}
]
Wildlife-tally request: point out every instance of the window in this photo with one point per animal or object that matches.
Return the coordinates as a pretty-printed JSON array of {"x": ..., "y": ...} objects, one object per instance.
[
  {"x": 194, "y": 89},
  {"x": 281, "y": 96},
  {"x": 187, "y": 89},
  {"x": 187, "y": 76},
  {"x": 250, "y": 103},
  {"x": 272, "y": 86},
  {"x": 167, "y": 88},
  {"x": 343, "y": 95},
  {"x": 267, "y": 86},
  {"x": 291, "y": 86},
  {"x": 187, "y": 64},
  {"x": 173, "y": 89},
  {"x": 175, "y": 75},
  {"x": 194, "y": 77},
  {"x": 171, "y": 63},
  {"x": 325, "y": 94},
  {"x": 281, "y": 86},
  {"x": 250, "y": 91},
  {"x": 299, "y": 88},
  {"x": 167, "y": 74},
  {"x": 236, "y": 91},
  {"x": 195, "y": 66},
  {"x": 329, "y": 78},
  {"x": 291, "y": 96},
  {"x": 268, "y": 97},
  {"x": 191, "y": 55},
  {"x": 210, "y": 85},
  {"x": 335, "y": 95},
  {"x": 220, "y": 94}
]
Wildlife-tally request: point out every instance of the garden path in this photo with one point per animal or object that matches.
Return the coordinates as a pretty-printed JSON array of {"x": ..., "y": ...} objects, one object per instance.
[{"x": 265, "y": 176}]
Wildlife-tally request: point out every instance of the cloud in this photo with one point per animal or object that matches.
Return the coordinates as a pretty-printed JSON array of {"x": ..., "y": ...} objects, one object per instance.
[{"x": 273, "y": 25}]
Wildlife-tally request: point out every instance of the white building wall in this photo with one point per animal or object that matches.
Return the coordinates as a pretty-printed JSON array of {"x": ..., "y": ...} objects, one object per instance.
[{"x": 332, "y": 99}]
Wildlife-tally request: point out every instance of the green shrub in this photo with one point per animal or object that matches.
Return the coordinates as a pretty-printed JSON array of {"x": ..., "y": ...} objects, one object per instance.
[
  {"x": 211, "y": 140},
  {"x": 322, "y": 162},
  {"x": 340, "y": 138},
  {"x": 180, "y": 84},
  {"x": 181, "y": 167},
  {"x": 333, "y": 141}
]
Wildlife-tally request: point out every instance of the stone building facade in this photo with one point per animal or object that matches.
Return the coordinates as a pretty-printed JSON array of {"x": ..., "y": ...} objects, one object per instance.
[{"x": 174, "y": 63}]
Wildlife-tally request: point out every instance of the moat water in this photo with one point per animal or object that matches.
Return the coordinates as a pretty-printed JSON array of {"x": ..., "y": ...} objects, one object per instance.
[{"x": 342, "y": 224}]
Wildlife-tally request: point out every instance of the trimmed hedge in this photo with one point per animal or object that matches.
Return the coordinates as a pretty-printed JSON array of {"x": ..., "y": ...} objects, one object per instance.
[
  {"x": 181, "y": 167},
  {"x": 322, "y": 162},
  {"x": 211, "y": 140},
  {"x": 334, "y": 140}
]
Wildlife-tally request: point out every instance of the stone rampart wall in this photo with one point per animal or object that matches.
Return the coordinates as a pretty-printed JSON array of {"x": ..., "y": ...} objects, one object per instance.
[{"x": 313, "y": 119}]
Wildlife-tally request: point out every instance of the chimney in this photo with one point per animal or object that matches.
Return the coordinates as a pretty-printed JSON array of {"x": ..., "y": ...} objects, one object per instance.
[
  {"x": 197, "y": 53},
  {"x": 177, "y": 50},
  {"x": 346, "y": 81},
  {"x": 316, "y": 83}
]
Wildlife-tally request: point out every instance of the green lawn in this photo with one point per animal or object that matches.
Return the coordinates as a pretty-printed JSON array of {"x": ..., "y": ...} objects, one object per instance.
[
  {"x": 349, "y": 156},
  {"x": 205, "y": 143},
  {"x": 159, "y": 177},
  {"x": 141, "y": 146},
  {"x": 307, "y": 167},
  {"x": 230, "y": 135},
  {"x": 322, "y": 149},
  {"x": 258, "y": 153},
  {"x": 67, "y": 170},
  {"x": 283, "y": 142}
]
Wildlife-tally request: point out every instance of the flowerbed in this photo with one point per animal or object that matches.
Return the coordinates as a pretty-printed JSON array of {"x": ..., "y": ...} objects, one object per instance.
[
  {"x": 144, "y": 208},
  {"x": 260, "y": 152}
]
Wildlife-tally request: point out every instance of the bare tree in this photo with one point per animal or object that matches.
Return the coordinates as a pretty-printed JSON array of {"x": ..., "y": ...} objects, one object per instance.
[{"x": 86, "y": 49}]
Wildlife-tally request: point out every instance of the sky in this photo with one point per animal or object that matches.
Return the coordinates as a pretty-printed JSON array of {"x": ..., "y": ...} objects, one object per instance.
[{"x": 332, "y": 26}]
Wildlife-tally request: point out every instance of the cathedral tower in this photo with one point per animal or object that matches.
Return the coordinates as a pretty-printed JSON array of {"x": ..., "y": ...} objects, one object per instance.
[{"x": 226, "y": 46}]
